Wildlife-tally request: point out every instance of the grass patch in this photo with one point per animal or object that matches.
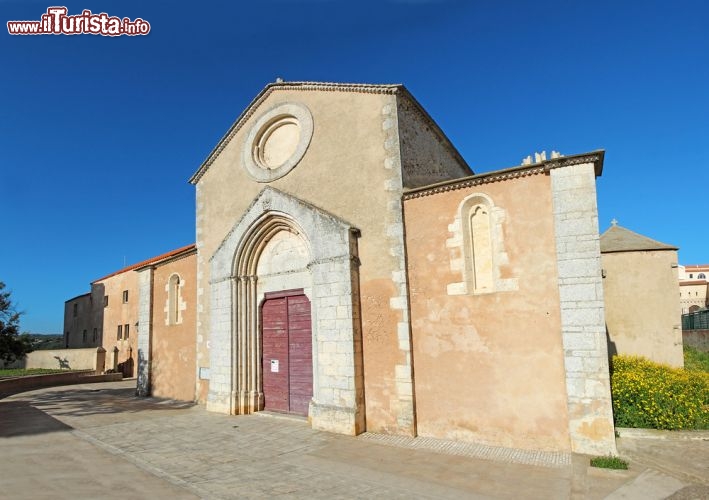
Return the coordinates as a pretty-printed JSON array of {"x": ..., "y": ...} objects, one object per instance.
[
  {"x": 696, "y": 360},
  {"x": 609, "y": 462},
  {"x": 24, "y": 372}
]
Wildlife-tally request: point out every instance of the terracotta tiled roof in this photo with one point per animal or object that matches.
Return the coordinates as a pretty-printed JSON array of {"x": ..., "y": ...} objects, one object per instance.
[
  {"x": 694, "y": 282},
  {"x": 697, "y": 267},
  {"x": 153, "y": 260},
  {"x": 619, "y": 239}
]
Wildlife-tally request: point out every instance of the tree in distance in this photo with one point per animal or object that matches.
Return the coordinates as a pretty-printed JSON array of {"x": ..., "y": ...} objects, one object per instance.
[{"x": 13, "y": 346}]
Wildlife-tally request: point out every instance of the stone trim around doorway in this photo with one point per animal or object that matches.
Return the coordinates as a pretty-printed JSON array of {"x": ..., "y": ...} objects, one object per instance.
[{"x": 338, "y": 381}]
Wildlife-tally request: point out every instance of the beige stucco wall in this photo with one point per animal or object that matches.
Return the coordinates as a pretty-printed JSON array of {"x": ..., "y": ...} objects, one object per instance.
[
  {"x": 173, "y": 345},
  {"x": 643, "y": 305},
  {"x": 345, "y": 155},
  {"x": 351, "y": 169},
  {"x": 70, "y": 359},
  {"x": 117, "y": 313},
  {"x": 489, "y": 368}
]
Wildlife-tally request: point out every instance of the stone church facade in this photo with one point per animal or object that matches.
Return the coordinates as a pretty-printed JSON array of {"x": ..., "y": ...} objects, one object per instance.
[{"x": 351, "y": 268}]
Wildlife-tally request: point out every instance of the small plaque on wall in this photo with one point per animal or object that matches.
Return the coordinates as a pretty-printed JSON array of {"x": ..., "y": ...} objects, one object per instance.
[
  {"x": 203, "y": 373},
  {"x": 274, "y": 365}
]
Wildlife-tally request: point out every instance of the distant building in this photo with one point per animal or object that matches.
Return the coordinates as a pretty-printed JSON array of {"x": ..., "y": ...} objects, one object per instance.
[
  {"x": 641, "y": 295},
  {"x": 694, "y": 287},
  {"x": 79, "y": 328}
]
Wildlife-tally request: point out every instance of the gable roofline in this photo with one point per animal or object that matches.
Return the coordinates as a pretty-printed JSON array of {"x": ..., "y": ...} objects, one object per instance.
[
  {"x": 366, "y": 88},
  {"x": 618, "y": 239},
  {"x": 595, "y": 157},
  {"x": 151, "y": 261}
]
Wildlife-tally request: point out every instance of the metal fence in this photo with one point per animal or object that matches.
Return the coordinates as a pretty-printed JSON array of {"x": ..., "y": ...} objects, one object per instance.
[{"x": 696, "y": 321}]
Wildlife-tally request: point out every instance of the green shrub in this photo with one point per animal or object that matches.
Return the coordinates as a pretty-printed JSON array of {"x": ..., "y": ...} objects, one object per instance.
[
  {"x": 609, "y": 462},
  {"x": 651, "y": 395}
]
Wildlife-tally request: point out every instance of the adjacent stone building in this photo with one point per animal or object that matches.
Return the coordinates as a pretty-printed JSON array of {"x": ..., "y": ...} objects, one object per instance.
[
  {"x": 108, "y": 316},
  {"x": 642, "y": 296},
  {"x": 79, "y": 329},
  {"x": 350, "y": 267}
]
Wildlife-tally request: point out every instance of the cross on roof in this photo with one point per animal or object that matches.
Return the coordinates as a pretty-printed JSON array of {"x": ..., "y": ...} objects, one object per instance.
[{"x": 614, "y": 222}]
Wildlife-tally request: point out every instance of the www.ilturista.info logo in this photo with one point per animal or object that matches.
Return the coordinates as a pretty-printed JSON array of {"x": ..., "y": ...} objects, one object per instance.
[{"x": 57, "y": 22}]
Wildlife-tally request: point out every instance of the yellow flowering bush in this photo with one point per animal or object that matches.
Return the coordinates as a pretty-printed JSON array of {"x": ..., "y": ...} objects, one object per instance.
[{"x": 651, "y": 395}]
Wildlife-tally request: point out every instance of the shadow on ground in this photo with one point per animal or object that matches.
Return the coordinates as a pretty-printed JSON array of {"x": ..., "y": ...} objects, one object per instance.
[
  {"x": 33, "y": 413},
  {"x": 19, "y": 418},
  {"x": 96, "y": 401}
]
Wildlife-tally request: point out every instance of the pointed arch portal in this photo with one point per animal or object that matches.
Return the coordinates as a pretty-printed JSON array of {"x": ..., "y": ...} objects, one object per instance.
[{"x": 282, "y": 243}]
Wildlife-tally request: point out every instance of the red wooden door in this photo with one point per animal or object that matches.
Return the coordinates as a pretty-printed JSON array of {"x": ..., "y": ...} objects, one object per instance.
[
  {"x": 275, "y": 354},
  {"x": 287, "y": 352}
]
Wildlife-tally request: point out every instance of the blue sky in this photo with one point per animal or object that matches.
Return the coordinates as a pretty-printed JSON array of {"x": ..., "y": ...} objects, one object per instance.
[{"x": 99, "y": 135}]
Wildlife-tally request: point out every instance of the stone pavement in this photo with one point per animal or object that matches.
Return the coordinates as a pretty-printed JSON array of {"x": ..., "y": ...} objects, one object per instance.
[{"x": 99, "y": 441}]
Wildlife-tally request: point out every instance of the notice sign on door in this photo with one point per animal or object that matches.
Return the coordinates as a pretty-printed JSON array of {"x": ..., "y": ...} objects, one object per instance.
[{"x": 274, "y": 365}]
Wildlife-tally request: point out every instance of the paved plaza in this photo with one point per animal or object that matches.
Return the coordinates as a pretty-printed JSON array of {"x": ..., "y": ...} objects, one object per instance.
[{"x": 100, "y": 441}]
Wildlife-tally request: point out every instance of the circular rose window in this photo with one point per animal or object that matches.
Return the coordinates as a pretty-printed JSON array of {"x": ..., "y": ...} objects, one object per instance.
[{"x": 277, "y": 141}]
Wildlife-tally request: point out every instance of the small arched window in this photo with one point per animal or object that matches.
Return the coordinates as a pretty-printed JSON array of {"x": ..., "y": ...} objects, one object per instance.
[
  {"x": 173, "y": 299},
  {"x": 477, "y": 248},
  {"x": 481, "y": 246},
  {"x": 702, "y": 276},
  {"x": 477, "y": 225}
]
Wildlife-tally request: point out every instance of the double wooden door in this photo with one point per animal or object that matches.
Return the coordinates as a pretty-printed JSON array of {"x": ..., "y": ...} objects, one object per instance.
[{"x": 287, "y": 352}]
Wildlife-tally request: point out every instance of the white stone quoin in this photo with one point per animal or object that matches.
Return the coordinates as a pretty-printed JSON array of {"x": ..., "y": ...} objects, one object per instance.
[{"x": 582, "y": 310}]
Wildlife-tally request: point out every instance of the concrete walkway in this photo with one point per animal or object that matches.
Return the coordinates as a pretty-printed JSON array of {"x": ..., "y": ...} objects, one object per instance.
[{"x": 99, "y": 441}]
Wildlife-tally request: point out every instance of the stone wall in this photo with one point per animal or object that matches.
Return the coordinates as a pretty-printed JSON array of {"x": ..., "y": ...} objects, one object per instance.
[
  {"x": 699, "y": 339},
  {"x": 582, "y": 309},
  {"x": 427, "y": 156},
  {"x": 78, "y": 324}
]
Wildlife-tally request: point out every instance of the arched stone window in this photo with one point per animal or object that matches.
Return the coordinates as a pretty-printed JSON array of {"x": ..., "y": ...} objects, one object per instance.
[
  {"x": 173, "y": 300},
  {"x": 702, "y": 276},
  {"x": 479, "y": 262},
  {"x": 477, "y": 249}
]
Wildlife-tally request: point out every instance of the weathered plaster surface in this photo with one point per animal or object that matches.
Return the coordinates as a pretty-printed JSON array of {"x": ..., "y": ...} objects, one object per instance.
[
  {"x": 173, "y": 344},
  {"x": 488, "y": 367}
]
